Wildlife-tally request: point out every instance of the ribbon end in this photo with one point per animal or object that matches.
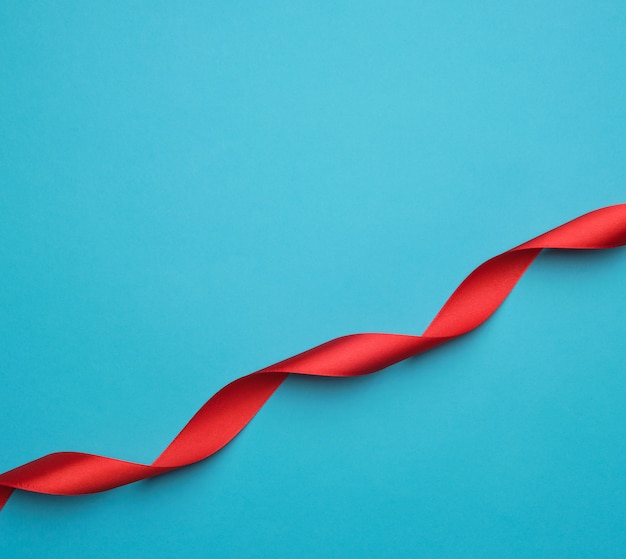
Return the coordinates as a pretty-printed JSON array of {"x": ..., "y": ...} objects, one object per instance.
[{"x": 5, "y": 493}]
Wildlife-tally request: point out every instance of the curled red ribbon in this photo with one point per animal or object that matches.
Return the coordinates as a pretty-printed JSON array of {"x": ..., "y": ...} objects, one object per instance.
[{"x": 221, "y": 418}]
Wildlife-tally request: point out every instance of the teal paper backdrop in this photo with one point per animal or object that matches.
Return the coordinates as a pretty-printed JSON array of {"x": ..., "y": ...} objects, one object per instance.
[{"x": 190, "y": 191}]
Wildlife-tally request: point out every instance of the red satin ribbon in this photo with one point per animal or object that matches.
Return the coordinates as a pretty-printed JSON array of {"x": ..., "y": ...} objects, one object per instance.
[{"x": 230, "y": 409}]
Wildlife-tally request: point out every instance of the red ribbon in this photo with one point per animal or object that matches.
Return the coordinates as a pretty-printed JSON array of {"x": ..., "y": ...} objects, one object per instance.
[{"x": 229, "y": 410}]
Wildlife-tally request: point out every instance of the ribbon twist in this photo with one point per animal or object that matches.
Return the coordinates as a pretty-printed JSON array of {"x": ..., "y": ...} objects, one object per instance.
[{"x": 222, "y": 417}]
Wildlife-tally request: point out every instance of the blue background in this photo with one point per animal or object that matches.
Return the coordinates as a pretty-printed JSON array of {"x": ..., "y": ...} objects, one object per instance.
[{"x": 192, "y": 191}]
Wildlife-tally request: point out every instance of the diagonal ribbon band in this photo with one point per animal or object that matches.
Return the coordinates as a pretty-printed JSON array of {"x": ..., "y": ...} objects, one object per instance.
[{"x": 222, "y": 417}]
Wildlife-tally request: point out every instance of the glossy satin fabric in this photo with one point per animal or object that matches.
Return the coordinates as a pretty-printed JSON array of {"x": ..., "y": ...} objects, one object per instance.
[{"x": 230, "y": 409}]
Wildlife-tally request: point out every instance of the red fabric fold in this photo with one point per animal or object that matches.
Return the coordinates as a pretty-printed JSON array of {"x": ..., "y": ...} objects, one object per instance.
[{"x": 224, "y": 415}]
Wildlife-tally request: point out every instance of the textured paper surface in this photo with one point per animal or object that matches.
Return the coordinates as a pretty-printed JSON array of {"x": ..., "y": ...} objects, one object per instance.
[{"x": 177, "y": 180}]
